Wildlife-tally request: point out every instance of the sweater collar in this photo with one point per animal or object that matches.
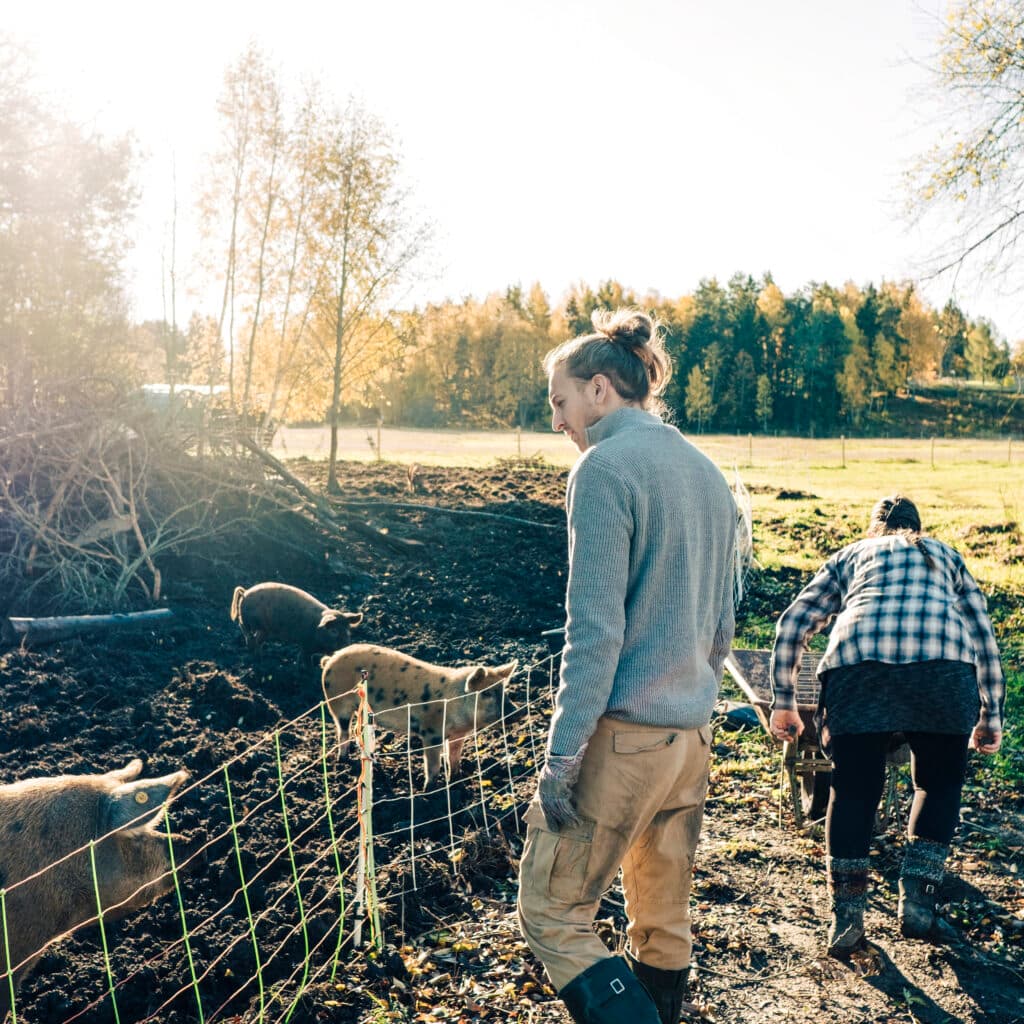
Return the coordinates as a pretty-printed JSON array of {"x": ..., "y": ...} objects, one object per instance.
[{"x": 626, "y": 417}]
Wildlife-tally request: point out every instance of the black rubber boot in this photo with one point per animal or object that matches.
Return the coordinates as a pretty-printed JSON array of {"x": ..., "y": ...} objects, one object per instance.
[
  {"x": 608, "y": 993},
  {"x": 917, "y": 914},
  {"x": 670, "y": 990},
  {"x": 924, "y": 864},
  {"x": 848, "y": 887}
]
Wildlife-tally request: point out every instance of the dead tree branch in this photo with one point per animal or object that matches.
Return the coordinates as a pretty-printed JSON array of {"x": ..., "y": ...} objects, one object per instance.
[{"x": 324, "y": 512}]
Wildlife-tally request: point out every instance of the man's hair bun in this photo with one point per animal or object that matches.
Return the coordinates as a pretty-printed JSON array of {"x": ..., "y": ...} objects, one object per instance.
[{"x": 629, "y": 327}]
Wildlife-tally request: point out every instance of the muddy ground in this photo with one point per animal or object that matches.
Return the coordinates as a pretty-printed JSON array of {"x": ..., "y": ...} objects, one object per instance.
[{"x": 474, "y": 588}]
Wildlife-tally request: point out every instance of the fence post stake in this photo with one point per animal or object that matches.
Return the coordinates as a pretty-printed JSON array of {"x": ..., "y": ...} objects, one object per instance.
[
  {"x": 334, "y": 840},
  {"x": 366, "y": 876}
]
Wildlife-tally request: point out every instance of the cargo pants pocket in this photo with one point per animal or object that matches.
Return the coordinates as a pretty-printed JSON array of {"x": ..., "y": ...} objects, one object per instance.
[{"x": 557, "y": 864}]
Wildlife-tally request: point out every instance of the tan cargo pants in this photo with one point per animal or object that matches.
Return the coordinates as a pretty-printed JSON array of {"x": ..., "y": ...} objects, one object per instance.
[{"x": 641, "y": 797}]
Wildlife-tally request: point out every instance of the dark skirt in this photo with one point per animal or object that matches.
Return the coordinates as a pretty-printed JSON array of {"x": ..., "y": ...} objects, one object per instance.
[{"x": 922, "y": 696}]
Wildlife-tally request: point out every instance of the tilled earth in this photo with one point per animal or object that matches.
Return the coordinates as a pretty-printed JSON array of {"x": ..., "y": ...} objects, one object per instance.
[{"x": 485, "y": 578}]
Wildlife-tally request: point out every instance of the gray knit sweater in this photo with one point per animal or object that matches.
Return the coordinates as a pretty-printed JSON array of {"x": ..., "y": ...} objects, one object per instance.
[{"x": 649, "y": 606}]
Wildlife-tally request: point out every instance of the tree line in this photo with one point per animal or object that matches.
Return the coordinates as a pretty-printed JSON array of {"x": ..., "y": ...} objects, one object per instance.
[{"x": 747, "y": 357}]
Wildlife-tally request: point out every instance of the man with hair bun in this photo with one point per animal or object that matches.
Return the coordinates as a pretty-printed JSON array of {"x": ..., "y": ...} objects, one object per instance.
[
  {"x": 911, "y": 651},
  {"x": 649, "y": 622}
]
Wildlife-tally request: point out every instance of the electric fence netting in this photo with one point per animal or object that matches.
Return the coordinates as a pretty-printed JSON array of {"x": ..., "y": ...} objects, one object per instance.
[
  {"x": 743, "y": 560},
  {"x": 290, "y": 858}
]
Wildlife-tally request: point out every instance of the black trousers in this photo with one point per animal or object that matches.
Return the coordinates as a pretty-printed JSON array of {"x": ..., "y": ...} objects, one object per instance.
[{"x": 938, "y": 764}]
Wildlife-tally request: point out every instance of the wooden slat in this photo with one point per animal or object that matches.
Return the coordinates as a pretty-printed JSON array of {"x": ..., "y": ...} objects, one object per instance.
[{"x": 751, "y": 670}]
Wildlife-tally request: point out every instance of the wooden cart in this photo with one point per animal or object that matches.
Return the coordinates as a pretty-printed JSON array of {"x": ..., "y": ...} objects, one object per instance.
[{"x": 806, "y": 774}]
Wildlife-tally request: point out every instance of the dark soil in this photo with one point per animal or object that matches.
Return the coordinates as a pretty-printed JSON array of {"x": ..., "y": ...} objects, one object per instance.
[{"x": 478, "y": 588}]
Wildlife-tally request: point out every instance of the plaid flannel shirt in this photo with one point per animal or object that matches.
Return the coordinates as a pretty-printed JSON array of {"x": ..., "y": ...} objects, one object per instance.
[{"x": 890, "y": 606}]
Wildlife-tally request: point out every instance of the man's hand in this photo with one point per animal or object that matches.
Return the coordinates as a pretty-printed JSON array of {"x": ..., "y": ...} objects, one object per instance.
[{"x": 557, "y": 778}]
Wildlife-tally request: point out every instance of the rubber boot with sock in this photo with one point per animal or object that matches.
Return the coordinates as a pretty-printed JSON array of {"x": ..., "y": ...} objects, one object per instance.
[
  {"x": 924, "y": 864},
  {"x": 848, "y": 889}
]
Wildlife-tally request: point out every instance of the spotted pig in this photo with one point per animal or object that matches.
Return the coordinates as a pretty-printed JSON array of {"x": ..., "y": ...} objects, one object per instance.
[{"x": 439, "y": 706}]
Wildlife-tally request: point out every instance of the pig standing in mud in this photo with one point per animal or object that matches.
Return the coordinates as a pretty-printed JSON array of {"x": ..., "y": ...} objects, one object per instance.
[
  {"x": 276, "y": 611},
  {"x": 45, "y": 820},
  {"x": 446, "y": 704}
]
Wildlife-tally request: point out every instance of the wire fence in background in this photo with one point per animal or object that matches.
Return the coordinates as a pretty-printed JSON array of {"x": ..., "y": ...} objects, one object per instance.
[
  {"x": 761, "y": 450},
  {"x": 465, "y": 448}
]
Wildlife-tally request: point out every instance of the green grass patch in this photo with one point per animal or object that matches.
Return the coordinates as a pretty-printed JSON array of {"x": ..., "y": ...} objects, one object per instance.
[{"x": 804, "y": 511}]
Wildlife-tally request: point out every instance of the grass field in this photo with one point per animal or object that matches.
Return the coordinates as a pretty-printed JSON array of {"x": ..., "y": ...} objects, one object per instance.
[
  {"x": 969, "y": 495},
  {"x": 481, "y": 447},
  {"x": 969, "y": 491},
  {"x": 427, "y": 447}
]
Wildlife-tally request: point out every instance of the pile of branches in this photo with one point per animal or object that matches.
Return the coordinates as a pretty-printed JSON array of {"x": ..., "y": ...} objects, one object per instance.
[
  {"x": 95, "y": 497},
  {"x": 89, "y": 501}
]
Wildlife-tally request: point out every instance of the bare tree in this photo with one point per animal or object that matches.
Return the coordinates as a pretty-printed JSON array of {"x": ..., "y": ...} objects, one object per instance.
[
  {"x": 975, "y": 173},
  {"x": 298, "y": 275},
  {"x": 262, "y": 200},
  {"x": 365, "y": 243},
  {"x": 222, "y": 201}
]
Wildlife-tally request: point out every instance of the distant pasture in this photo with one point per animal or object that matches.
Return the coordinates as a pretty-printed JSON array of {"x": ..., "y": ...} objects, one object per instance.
[{"x": 968, "y": 490}]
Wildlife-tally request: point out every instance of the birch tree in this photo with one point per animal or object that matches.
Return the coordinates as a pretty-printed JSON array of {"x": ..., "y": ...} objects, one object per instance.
[
  {"x": 297, "y": 280},
  {"x": 700, "y": 406},
  {"x": 222, "y": 202},
  {"x": 262, "y": 202},
  {"x": 364, "y": 243},
  {"x": 763, "y": 401}
]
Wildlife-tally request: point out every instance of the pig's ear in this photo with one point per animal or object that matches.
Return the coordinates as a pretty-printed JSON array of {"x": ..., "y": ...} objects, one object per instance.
[
  {"x": 128, "y": 772},
  {"x": 354, "y": 618},
  {"x": 477, "y": 679},
  {"x": 505, "y": 671},
  {"x": 323, "y": 661},
  {"x": 329, "y": 616},
  {"x": 138, "y": 803}
]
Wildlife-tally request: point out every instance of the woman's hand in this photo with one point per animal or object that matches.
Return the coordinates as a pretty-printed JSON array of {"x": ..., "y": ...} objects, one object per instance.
[
  {"x": 786, "y": 725},
  {"x": 985, "y": 740}
]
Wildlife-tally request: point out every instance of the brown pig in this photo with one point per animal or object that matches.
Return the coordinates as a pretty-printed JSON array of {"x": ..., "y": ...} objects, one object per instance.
[
  {"x": 48, "y": 876},
  {"x": 445, "y": 705},
  {"x": 276, "y": 611}
]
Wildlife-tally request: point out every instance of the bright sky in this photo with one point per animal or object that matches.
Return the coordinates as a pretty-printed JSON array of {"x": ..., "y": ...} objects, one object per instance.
[{"x": 656, "y": 143}]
